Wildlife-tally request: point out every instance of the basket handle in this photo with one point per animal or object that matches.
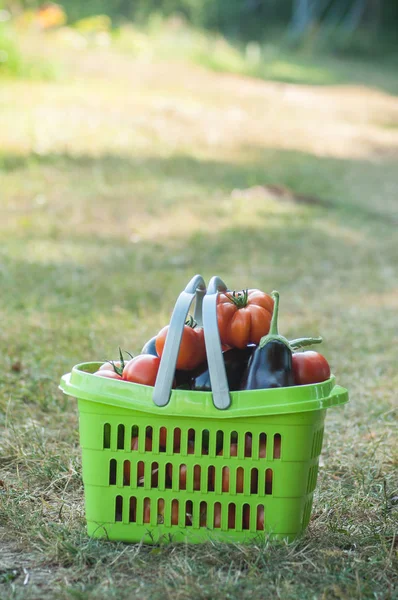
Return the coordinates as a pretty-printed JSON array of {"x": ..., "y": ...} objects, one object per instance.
[
  {"x": 218, "y": 377},
  {"x": 164, "y": 380}
]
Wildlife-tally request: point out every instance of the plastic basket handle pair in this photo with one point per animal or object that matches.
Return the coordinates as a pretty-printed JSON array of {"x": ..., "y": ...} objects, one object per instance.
[{"x": 206, "y": 316}]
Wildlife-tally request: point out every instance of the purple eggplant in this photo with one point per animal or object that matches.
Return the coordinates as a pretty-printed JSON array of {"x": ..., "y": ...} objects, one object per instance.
[{"x": 235, "y": 361}]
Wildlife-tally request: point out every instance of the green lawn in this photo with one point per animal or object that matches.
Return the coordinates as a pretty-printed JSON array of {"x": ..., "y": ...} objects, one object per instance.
[{"x": 121, "y": 180}]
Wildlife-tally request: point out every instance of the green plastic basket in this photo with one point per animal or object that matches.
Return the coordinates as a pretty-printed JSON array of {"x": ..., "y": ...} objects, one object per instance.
[{"x": 180, "y": 483}]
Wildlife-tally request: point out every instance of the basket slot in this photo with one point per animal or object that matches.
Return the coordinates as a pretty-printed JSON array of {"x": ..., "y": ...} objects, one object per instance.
[
  {"x": 182, "y": 480},
  {"x": 218, "y": 447},
  {"x": 235, "y": 445},
  {"x": 253, "y": 481},
  {"x": 268, "y": 481},
  {"x": 229, "y": 518},
  {"x": 277, "y": 445},
  {"x": 191, "y": 441},
  {"x": 147, "y": 510},
  {"x": 211, "y": 475},
  {"x": 224, "y": 480},
  {"x": 246, "y": 516},
  {"x": 240, "y": 480},
  {"x": 155, "y": 475},
  {"x": 134, "y": 440},
  {"x": 248, "y": 444},
  {"x": 119, "y": 508},
  {"x": 317, "y": 443},
  {"x": 217, "y": 514},
  {"x": 196, "y": 477},
  {"x": 112, "y": 471},
  {"x": 205, "y": 441},
  {"x": 169, "y": 475},
  {"x": 162, "y": 513},
  {"x": 162, "y": 439},
  {"x": 140, "y": 473},
  {"x": 312, "y": 477},
  {"x": 120, "y": 436},
  {"x": 133, "y": 510},
  {"x": 148, "y": 440},
  {"x": 262, "y": 446},
  {"x": 176, "y": 441},
  {"x": 107, "y": 436},
  {"x": 203, "y": 514},
  {"x": 189, "y": 513},
  {"x": 259, "y": 518},
  {"x": 126, "y": 472}
]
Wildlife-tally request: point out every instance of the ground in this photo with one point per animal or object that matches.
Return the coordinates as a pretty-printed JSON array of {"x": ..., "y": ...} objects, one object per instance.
[{"x": 120, "y": 180}]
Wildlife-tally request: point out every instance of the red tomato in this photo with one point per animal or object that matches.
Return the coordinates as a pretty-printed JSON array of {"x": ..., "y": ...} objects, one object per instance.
[
  {"x": 192, "y": 350},
  {"x": 108, "y": 366},
  {"x": 142, "y": 369},
  {"x": 309, "y": 367},
  {"x": 108, "y": 373},
  {"x": 243, "y": 317}
]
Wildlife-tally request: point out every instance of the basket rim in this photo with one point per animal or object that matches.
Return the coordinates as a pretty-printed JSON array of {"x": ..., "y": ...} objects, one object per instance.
[{"x": 81, "y": 383}]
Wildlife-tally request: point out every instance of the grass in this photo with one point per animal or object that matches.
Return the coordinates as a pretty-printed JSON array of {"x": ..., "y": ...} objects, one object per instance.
[{"x": 120, "y": 182}]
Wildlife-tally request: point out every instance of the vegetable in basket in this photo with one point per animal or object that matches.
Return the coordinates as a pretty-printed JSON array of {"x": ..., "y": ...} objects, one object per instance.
[
  {"x": 142, "y": 369},
  {"x": 235, "y": 360},
  {"x": 271, "y": 363},
  {"x": 243, "y": 317},
  {"x": 192, "y": 351},
  {"x": 310, "y": 367}
]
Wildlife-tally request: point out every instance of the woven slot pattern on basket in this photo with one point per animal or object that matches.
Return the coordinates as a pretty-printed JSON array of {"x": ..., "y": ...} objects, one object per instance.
[
  {"x": 317, "y": 443},
  {"x": 212, "y": 515},
  {"x": 150, "y": 468}
]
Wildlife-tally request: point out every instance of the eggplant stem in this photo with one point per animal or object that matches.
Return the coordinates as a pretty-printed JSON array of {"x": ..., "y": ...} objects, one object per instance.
[
  {"x": 273, "y": 330},
  {"x": 302, "y": 342}
]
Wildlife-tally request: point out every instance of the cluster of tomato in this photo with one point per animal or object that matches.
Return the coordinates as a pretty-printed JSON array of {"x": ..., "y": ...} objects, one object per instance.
[{"x": 243, "y": 319}]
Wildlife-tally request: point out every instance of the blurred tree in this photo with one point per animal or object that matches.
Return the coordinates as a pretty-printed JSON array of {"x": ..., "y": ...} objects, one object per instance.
[{"x": 246, "y": 19}]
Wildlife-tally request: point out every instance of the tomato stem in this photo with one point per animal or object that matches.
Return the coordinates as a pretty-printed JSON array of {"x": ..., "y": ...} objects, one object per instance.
[
  {"x": 238, "y": 298},
  {"x": 118, "y": 370},
  {"x": 191, "y": 322}
]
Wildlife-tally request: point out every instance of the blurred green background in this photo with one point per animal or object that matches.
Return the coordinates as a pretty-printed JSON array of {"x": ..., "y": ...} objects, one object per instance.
[{"x": 143, "y": 142}]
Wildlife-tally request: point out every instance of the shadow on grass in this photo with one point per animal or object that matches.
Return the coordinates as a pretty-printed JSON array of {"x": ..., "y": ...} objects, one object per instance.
[
  {"x": 287, "y": 249},
  {"x": 348, "y": 185}
]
